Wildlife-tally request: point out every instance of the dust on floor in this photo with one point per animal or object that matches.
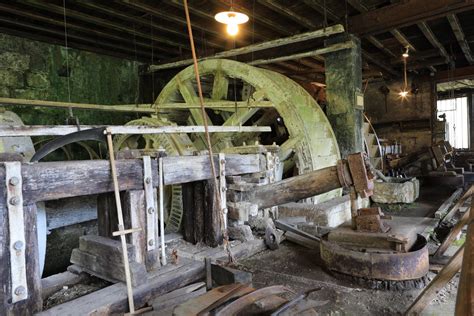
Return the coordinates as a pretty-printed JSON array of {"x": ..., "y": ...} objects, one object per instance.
[{"x": 300, "y": 269}]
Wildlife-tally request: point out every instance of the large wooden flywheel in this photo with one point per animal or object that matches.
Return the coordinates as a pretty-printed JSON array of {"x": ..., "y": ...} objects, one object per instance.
[{"x": 239, "y": 94}]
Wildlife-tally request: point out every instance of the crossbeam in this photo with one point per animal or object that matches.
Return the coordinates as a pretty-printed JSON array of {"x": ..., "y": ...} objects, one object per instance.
[
  {"x": 335, "y": 29},
  {"x": 139, "y": 108},
  {"x": 61, "y": 130}
]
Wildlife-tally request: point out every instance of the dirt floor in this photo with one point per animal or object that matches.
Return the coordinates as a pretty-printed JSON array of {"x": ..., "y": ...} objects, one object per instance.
[{"x": 301, "y": 270}]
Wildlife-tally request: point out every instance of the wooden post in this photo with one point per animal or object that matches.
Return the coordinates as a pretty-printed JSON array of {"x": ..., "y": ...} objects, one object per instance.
[
  {"x": 465, "y": 297},
  {"x": 199, "y": 211},
  {"x": 188, "y": 212},
  {"x": 212, "y": 216},
  {"x": 106, "y": 215},
  {"x": 33, "y": 303}
]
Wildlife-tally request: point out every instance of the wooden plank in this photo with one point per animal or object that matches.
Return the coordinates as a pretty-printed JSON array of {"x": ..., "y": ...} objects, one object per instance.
[
  {"x": 134, "y": 213},
  {"x": 404, "y": 13},
  {"x": 459, "y": 204},
  {"x": 257, "y": 47},
  {"x": 452, "y": 235},
  {"x": 465, "y": 296},
  {"x": 224, "y": 275},
  {"x": 199, "y": 212},
  {"x": 458, "y": 32},
  {"x": 138, "y": 108},
  {"x": 113, "y": 299},
  {"x": 56, "y": 180},
  {"x": 444, "y": 208},
  {"x": 185, "y": 169},
  {"x": 443, "y": 277},
  {"x": 188, "y": 212},
  {"x": 316, "y": 52},
  {"x": 56, "y": 282},
  {"x": 61, "y": 130}
]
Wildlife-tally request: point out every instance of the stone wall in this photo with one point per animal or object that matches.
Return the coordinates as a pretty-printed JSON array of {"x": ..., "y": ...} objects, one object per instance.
[
  {"x": 36, "y": 70},
  {"x": 406, "y": 121}
]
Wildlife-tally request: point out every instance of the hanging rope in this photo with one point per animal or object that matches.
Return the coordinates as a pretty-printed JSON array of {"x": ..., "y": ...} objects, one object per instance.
[{"x": 208, "y": 138}]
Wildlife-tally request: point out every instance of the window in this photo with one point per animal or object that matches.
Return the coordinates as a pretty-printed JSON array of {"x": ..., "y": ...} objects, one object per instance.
[{"x": 456, "y": 111}]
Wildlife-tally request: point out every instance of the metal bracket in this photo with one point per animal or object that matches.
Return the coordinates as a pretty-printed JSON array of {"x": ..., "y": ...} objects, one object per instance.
[
  {"x": 16, "y": 227},
  {"x": 223, "y": 187},
  {"x": 150, "y": 205}
]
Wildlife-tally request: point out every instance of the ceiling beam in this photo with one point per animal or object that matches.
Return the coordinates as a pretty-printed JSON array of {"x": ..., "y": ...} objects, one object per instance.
[
  {"x": 319, "y": 7},
  {"x": 455, "y": 74},
  {"x": 382, "y": 65},
  {"x": 458, "y": 32},
  {"x": 425, "y": 29},
  {"x": 113, "y": 11},
  {"x": 284, "y": 10},
  {"x": 71, "y": 25},
  {"x": 404, "y": 13}
]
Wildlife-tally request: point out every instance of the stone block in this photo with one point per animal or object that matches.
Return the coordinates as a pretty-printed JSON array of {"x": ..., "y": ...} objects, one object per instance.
[
  {"x": 396, "y": 191},
  {"x": 240, "y": 232},
  {"x": 10, "y": 78},
  {"x": 331, "y": 213},
  {"x": 37, "y": 80},
  {"x": 14, "y": 61}
]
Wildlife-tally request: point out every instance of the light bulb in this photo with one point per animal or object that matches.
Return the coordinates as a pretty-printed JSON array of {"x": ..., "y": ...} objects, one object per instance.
[
  {"x": 232, "y": 29},
  {"x": 403, "y": 93}
]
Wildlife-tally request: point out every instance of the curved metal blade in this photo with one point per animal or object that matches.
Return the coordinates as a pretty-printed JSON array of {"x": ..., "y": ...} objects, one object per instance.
[{"x": 89, "y": 134}]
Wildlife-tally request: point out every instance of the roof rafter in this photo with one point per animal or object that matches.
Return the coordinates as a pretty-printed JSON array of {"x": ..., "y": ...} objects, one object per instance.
[{"x": 457, "y": 29}]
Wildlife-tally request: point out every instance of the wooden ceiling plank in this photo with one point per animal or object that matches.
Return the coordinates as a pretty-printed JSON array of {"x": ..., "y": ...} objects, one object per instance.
[
  {"x": 428, "y": 33},
  {"x": 404, "y": 13},
  {"x": 107, "y": 24},
  {"x": 260, "y": 19},
  {"x": 318, "y": 6},
  {"x": 147, "y": 23},
  {"x": 60, "y": 33},
  {"x": 284, "y": 10},
  {"x": 458, "y": 32},
  {"x": 71, "y": 25}
]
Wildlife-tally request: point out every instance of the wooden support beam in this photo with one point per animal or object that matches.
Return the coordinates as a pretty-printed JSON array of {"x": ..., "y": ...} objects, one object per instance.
[
  {"x": 431, "y": 37},
  {"x": 465, "y": 297},
  {"x": 45, "y": 181},
  {"x": 458, "y": 32},
  {"x": 382, "y": 65},
  {"x": 404, "y": 13},
  {"x": 295, "y": 188},
  {"x": 455, "y": 74},
  {"x": 138, "y": 108},
  {"x": 61, "y": 130},
  {"x": 166, "y": 45},
  {"x": 335, "y": 29},
  {"x": 321, "y": 51},
  {"x": 463, "y": 221},
  {"x": 72, "y": 25},
  {"x": 286, "y": 11}
]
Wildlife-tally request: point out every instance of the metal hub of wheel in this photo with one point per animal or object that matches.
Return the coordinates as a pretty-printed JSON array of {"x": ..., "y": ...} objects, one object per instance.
[{"x": 239, "y": 94}]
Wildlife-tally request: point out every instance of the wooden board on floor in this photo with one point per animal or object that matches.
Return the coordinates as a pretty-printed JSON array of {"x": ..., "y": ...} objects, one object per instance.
[{"x": 113, "y": 299}]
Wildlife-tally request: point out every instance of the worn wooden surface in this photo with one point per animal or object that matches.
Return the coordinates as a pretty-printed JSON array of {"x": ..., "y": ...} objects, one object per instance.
[
  {"x": 465, "y": 297},
  {"x": 452, "y": 234},
  {"x": 212, "y": 216},
  {"x": 102, "y": 257},
  {"x": 107, "y": 222},
  {"x": 295, "y": 188},
  {"x": 188, "y": 212},
  {"x": 446, "y": 206},
  {"x": 55, "y": 180},
  {"x": 113, "y": 299},
  {"x": 56, "y": 282},
  {"x": 34, "y": 301}
]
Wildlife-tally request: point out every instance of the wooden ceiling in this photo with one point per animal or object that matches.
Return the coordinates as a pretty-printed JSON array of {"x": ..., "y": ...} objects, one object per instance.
[{"x": 438, "y": 32}]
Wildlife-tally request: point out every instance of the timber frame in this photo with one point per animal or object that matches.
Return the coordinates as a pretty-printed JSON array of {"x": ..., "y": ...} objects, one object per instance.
[{"x": 44, "y": 181}]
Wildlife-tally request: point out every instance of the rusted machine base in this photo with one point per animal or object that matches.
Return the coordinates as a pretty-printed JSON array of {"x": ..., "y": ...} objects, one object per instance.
[{"x": 383, "y": 266}]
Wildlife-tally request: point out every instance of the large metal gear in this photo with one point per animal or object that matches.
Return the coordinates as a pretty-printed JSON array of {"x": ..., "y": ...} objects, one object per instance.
[{"x": 299, "y": 125}]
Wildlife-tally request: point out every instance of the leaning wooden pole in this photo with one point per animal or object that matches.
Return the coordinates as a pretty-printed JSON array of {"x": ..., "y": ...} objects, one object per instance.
[
  {"x": 443, "y": 277},
  {"x": 121, "y": 228},
  {"x": 465, "y": 297}
]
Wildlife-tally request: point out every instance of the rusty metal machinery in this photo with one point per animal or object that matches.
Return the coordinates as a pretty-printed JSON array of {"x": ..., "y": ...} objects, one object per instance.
[{"x": 240, "y": 94}]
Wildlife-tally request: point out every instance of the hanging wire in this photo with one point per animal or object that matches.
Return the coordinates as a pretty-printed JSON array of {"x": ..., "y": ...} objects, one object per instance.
[
  {"x": 67, "y": 59},
  {"x": 208, "y": 138}
]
